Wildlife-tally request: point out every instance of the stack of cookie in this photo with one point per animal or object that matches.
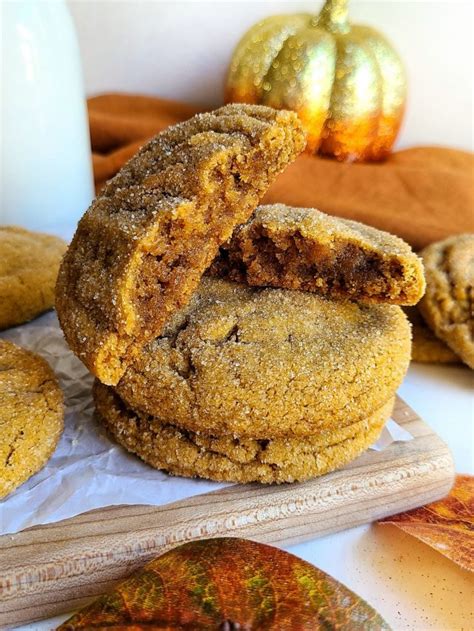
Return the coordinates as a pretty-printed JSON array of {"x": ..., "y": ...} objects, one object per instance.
[{"x": 278, "y": 365}]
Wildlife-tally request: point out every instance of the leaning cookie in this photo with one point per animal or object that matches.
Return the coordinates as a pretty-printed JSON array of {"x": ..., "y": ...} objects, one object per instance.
[
  {"x": 448, "y": 305},
  {"x": 185, "y": 453},
  {"x": 142, "y": 247},
  {"x": 426, "y": 348},
  {"x": 31, "y": 415},
  {"x": 303, "y": 248},
  {"x": 269, "y": 362},
  {"x": 29, "y": 263}
]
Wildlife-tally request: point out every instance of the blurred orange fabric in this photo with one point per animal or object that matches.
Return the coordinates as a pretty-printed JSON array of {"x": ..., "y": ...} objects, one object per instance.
[{"x": 422, "y": 194}]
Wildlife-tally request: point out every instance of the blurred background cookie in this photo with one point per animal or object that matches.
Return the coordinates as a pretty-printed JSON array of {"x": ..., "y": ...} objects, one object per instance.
[
  {"x": 29, "y": 263},
  {"x": 448, "y": 304},
  {"x": 426, "y": 348},
  {"x": 31, "y": 415}
]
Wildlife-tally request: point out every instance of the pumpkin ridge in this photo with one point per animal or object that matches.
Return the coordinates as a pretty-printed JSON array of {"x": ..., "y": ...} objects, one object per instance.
[{"x": 364, "y": 114}]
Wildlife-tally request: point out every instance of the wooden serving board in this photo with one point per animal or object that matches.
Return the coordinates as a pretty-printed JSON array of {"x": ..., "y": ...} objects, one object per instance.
[{"x": 47, "y": 570}]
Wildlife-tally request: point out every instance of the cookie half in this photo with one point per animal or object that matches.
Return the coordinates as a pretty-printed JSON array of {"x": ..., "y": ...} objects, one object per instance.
[
  {"x": 29, "y": 263},
  {"x": 269, "y": 362},
  {"x": 302, "y": 248},
  {"x": 141, "y": 248},
  {"x": 186, "y": 453},
  {"x": 31, "y": 415},
  {"x": 448, "y": 305}
]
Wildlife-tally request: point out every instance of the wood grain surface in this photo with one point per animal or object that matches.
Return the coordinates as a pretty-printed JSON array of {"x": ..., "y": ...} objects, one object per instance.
[{"x": 47, "y": 570}]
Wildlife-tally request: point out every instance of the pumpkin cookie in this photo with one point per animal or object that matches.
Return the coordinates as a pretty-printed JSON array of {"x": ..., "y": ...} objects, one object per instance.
[
  {"x": 29, "y": 263},
  {"x": 448, "y": 305},
  {"x": 302, "y": 248},
  {"x": 426, "y": 348},
  {"x": 269, "y": 362},
  {"x": 141, "y": 248},
  {"x": 31, "y": 415},
  {"x": 186, "y": 453}
]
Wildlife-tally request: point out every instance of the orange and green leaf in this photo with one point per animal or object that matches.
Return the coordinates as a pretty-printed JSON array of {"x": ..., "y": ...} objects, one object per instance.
[
  {"x": 446, "y": 525},
  {"x": 228, "y": 584}
]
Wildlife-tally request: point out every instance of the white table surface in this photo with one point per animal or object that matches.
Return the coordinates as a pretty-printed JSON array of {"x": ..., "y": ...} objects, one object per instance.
[{"x": 410, "y": 584}]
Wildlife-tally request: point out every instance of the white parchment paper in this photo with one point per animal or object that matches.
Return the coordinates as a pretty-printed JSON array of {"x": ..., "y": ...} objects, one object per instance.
[{"x": 88, "y": 470}]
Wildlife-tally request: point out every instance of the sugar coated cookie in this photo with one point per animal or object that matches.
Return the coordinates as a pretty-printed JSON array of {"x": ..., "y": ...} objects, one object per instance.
[
  {"x": 269, "y": 362},
  {"x": 141, "y": 248},
  {"x": 31, "y": 415},
  {"x": 302, "y": 248},
  {"x": 186, "y": 453},
  {"x": 29, "y": 263},
  {"x": 448, "y": 305}
]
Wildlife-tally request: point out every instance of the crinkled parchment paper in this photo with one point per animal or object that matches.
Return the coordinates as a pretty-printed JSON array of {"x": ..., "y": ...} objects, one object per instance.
[{"x": 88, "y": 470}]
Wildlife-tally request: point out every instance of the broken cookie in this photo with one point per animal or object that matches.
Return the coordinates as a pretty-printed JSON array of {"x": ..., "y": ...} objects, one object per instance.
[
  {"x": 141, "y": 248},
  {"x": 302, "y": 248}
]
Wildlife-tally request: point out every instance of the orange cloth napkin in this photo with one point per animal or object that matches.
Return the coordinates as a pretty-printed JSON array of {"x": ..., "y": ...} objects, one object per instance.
[{"x": 422, "y": 194}]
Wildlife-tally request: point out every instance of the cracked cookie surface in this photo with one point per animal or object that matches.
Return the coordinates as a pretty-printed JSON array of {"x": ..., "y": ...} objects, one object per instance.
[
  {"x": 269, "y": 362},
  {"x": 448, "y": 305},
  {"x": 303, "y": 248},
  {"x": 31, "y": 415},
  {"x": 29, "y": 263},
  {"x": 141, "y": 248},
  {"x": 189, "y": 454}
]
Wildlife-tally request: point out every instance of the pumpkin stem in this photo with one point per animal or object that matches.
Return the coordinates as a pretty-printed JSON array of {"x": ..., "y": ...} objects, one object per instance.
[{"x": 333, "y": 16}]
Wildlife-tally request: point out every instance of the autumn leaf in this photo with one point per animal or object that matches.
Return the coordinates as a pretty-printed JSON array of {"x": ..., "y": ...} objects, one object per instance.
[
  {"x": 446, "y": 525},
  {"x": 228, "y": 584}
]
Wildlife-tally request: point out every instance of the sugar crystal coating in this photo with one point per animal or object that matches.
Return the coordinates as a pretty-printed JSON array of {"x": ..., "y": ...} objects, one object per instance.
[
  {"x": 141, "y": 248},
  {"x": 256, "y": 362},
  {"x": 224, "y": 458},
  {"x": 31, "y": 414}
]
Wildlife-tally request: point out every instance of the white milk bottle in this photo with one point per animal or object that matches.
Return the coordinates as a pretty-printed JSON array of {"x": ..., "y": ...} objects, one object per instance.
[{"x": 46, "y": 176}]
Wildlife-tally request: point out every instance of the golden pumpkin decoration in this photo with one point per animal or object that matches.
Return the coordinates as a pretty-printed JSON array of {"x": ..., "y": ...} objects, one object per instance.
[{"x": 346, "y": 82}]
